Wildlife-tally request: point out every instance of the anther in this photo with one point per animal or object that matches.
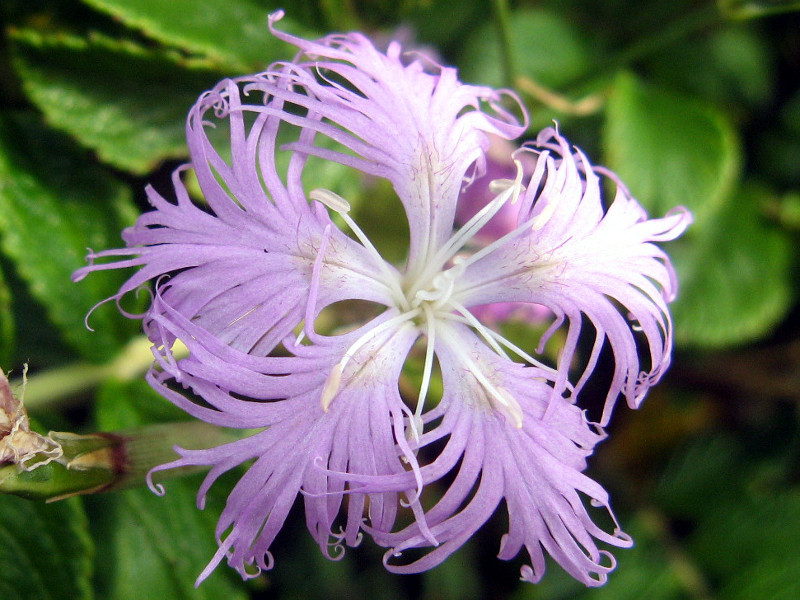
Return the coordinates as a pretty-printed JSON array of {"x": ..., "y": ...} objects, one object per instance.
[
  {"x": 414, "y": 428},
  {"x": 330, "y": 199},
  {"x": 498, "y": 186}
]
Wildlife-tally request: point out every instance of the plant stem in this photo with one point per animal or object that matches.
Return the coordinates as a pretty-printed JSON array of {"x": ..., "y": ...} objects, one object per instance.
[
  {"x": 60, "y": 385},
  {"x": 507, "y": 59},
  {"x": 588, "y": 105}
]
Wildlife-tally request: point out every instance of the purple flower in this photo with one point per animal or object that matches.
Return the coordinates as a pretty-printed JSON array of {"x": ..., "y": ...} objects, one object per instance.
[{"x": 243, "y": 277}]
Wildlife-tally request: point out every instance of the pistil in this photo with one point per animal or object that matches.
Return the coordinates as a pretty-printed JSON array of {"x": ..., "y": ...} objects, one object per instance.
[{"x": 431, "y": 300}]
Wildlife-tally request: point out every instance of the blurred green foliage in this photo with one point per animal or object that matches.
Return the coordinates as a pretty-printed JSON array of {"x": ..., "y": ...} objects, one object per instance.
[{"x": 692, "y": 102}]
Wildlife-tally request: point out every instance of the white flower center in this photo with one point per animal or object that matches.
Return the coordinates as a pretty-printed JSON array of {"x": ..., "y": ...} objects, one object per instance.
[{"x": 428, "y": 301}]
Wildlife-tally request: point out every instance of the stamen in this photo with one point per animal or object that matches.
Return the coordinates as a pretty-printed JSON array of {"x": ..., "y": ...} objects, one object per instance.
[
  {"x": 443, "y": 285},
  {"x": 511, "y": 408},
  {"x": 484, "y": 331},
  {"x": 527, "y": 225},
  {"x": 313, "y": 288},
  {"x": 488, "y": 334},
  {"x": 330, "y": 199},
  {"x": 498, "y": 397},
  {"x": 331, "y": 387},
  {"x": 334, "y": 380},
  {"x": 498, "y": 186},
  {"x": 518, "y": 187},
  {"x": 413, "y": 432},
  {"x": 401, "y": 318},
  {"x": 340, "y": 206},
  {"x": 428, "y": 367}
]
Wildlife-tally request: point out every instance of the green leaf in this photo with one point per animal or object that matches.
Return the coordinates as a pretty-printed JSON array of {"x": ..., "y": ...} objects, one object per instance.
[
  {"x": 544, "y": 47},
  {"x": 726, "y": 493},
  {"x": 54, "y": 205},
  {"x": 304, "y": 573},
  {"x": 35, "y": 345},
  {"x": 790, "y": 114},
  {"x": 456, "y": 578},
  {"x": 736, "y": 275},
  {"x": 151, "y": 546},
  {"x": 754, "y": 9},
  {"x": 709, "y": 467},
  {"x": 437, "y": 24},
  {"x": 776, "y": 578},
  {"x": 788, "y": 211},
  {"x": 777, "y": 146},
  {"x": 6, "y": 324},
  {"x": 733, "y": 66},
  {"x": 45, "y": 550},
  {"x": 670, "y": 150},
  {"x": 127, "y": 404},
  {"x": 232, "y": 33},
  {"x": 749, "y": 544},
  {"x": 155, "y": 547},
  {"x": 127, "y": 103}
]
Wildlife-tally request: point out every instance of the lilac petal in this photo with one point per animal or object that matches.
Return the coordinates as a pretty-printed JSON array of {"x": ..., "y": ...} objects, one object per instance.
[
  {"x": 243, "y": 272},
  {"x": 499, "y": 166},
  {"x": 422, "y": 131},
  {"x": 242, "y": 277},
  {"x": 303, "y": 444},
  {"x": 576, "y": 259},
  {"x": 536, "y": 468}
]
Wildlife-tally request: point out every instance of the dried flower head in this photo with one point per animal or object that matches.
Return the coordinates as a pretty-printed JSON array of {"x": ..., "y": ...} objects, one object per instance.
[
  {"x": 20, "y": 446},
  {"x": 242, "y": 278}
]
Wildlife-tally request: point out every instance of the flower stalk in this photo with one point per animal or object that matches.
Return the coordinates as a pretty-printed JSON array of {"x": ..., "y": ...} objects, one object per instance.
[
  {"x": 57, "y": 386},
  {"x": 63, "y": 464}
]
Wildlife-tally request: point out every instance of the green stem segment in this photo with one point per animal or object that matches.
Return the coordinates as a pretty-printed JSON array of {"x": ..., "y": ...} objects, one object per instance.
[
  {"x": 61, "y": 464},
  {"x": 55, "y": 386},
  {"x": 99, "y": 462},
  {"x": 502, "y": 20}
]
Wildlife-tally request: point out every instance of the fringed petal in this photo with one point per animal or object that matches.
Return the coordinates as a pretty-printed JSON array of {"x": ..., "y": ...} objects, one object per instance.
[
  {"x": 536, "y": 467},
  {"x": 242, "y": 277},
  {"x": 576, "y": 259},
  {"x": 306, "y": 448},
  {"x": 413, "y": 123},
  {"x": 242, "y": 265}
]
